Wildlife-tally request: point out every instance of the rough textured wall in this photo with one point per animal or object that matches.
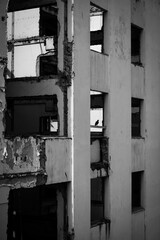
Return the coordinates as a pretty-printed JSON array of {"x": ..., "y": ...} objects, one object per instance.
[
  {"x": 21, "y": 155},
  {"x": 3, "y": 61}
]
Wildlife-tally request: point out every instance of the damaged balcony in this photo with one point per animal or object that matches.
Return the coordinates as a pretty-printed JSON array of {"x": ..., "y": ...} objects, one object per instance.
[
  {"x": 38, "y": 70},
  {"x": 37, "y": 160},
  {"x": 32, "y": 42}
]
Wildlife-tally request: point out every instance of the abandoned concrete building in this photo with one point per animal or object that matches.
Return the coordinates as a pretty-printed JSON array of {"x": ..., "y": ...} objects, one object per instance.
[{"x": 79, "y": 119}]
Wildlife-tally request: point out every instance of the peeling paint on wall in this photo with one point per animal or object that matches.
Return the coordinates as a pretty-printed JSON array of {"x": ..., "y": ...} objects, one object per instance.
[
  {"x": 23, "y": 163},
  {"x": 21, "y": 155}
]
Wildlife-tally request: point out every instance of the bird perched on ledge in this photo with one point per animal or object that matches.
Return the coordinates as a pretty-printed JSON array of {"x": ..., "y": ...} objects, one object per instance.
[{"x": 97, "y": 122}]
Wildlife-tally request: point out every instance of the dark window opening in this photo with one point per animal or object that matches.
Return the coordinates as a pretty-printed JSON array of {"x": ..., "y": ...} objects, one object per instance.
[
  {"x": 97, "y": 113},
  {"x": 48, "y": 21},
  {"x": 97, "y": 200},
  {"x": 136, "y": 190},
  {"x": 96, "y": 28},
  {"x": 136, "y": 117},
  {"x": 27, "y": 4},
  {"x": 48, "y": 65},
  {"x": 32, "y": 115},
  {"x": 136, "y": 33},
  {"x": 32, "y": 34},
  {"x": 32, "y": 213}
]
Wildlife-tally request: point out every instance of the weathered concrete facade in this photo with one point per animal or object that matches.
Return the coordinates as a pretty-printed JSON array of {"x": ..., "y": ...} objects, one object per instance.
[{"x": 79, "y": 119}]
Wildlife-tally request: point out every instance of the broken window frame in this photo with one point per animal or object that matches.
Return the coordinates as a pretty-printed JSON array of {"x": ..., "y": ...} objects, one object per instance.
[
  {"x": 47, "y": 123},
  {"x": 97, "y": 33},
  {"x": 137, "y": 191},
  {"x": 97, "y": 203},
  {"x": 39, "y": 40},
  {"x": 136, "y": 44},
  {"x": 136, "y": 118}
]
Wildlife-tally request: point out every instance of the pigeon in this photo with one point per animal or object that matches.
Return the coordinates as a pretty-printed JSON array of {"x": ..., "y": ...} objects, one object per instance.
[{"x": 96, "y": 123}]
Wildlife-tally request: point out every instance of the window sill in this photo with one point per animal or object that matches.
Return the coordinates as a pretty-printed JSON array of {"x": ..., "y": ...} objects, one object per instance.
[
  {"x": 100, "y": 222},
  {"x": 139, "y": 64},
  {"x": 106, "y": 54},
  {"x": 138, "y": 137},
  {"x": 137, "y": 209},
  {"x": 27, "y": 79}
]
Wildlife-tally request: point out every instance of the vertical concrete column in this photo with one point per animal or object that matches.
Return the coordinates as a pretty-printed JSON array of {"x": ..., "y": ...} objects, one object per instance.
[
  {"x": 4, "y": 191},
  {"x": 120, "y": 119},
  {"x": 81, "y": 120},
  {"x": 152, "y": 122},
  {"x": 3, "y": 62}
]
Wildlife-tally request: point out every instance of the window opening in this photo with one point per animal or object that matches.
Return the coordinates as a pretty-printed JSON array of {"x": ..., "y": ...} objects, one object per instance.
[
  {"x": 48, "y": 125},
  {"x": 136, "y": 33},
  {"x": 96, "y": 28},
  {"x": 48, "y": 65},
  {"x": 48, "y": 21},
  {"x": 97, "y": 200},
  {"x": 97, "y": 113},
  {"x": 137, "y": 190},
  {"x": 136, "y": 117},
  {"x": 32, "y": 115},
  {"x": 32, "y": 42}
]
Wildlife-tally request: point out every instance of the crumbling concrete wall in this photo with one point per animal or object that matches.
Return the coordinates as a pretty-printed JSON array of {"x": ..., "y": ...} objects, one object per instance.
[
  {"x": 21, "y": 155},
  {"x": 3, "y": 61}
]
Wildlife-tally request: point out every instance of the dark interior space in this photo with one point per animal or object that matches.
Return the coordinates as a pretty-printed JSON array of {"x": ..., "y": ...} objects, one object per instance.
[
  {"x": 136, "y": 44},
  {"x": 32, "y": 214},
  {"x": 32, "y": 115}
]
